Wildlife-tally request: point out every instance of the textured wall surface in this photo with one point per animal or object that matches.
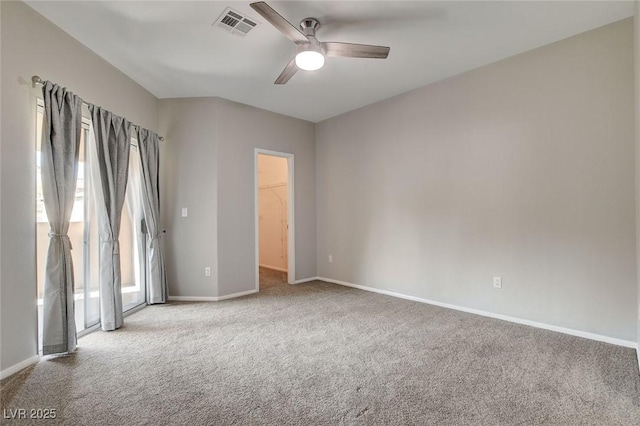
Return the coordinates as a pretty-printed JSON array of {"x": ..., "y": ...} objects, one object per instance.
[
  {"x": 209, "y": 168},
  {"x": 522, "y": 169},
  {"x": 241, "y": 129}
]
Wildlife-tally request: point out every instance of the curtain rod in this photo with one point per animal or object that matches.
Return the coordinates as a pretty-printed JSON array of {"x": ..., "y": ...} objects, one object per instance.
[{"x": 37, "y": 80}]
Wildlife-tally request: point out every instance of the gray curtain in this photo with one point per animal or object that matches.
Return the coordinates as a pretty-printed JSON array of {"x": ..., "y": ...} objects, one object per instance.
[
  {"x": 148, "y": 144},
  {"x": 61, "y": 129},
  {"x": 110, "y": 166}
]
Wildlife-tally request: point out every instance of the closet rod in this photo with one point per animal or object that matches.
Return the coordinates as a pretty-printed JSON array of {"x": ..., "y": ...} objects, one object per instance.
[{"x": 37, "y": 80}]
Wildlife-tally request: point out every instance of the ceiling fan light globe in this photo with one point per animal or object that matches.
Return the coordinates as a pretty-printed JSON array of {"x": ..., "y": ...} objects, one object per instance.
[
  {"x": 310, "y": 60},
  {"x": 310, "y": 56}
]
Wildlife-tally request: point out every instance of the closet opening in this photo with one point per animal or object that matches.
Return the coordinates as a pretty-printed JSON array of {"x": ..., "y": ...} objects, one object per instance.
[{"x": 274, "y": 219}]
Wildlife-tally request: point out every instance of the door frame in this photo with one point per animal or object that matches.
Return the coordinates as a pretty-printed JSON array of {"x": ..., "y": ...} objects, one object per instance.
[{"x": 291, "y": 242}]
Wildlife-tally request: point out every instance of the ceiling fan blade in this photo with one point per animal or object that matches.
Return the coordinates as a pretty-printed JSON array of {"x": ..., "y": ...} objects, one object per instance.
[
  {"x": 352, "y": 50},
  {"x": 274, "y": 18},
  {"x": 288, "y": 72}
]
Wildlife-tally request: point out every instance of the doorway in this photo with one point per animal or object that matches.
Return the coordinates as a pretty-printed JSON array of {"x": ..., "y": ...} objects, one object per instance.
[{"x": 274, "y": 198}]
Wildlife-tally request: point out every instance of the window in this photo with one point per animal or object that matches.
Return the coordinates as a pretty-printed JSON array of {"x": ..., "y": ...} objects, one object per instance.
[
  {"x": 132, "y": 237},
  {"x": 84, "y": 237}
]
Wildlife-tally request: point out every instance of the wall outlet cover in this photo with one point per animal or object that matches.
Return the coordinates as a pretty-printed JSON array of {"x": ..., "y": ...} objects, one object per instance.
[{"x": 497, "y": 282}]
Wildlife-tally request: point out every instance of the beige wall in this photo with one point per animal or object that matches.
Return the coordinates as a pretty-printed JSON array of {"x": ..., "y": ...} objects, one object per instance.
[
  {"x": 637, "y": 82},
  {"x": 522, "y": 169},
  {"x": 32, "y": 45},
  {"x": 272, "y": 211},
  {"x": 209, "y": 168},
  {"x": 189, "y": 179},
  {"x": 241, "y": 129}
]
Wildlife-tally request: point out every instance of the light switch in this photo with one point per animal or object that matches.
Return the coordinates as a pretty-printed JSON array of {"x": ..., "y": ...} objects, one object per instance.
[{"x": 185, "y": 212}]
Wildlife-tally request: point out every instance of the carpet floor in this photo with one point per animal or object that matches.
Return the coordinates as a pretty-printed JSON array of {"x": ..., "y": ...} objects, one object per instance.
[
  {"x": 322, "y": 354},
  {"x": 270, "y": 278}
]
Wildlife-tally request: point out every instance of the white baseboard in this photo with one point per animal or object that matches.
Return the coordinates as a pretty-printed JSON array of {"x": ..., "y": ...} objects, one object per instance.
[
  {"x": 210, "y": 298},
  {"x": 306, "y": 280},
  {"x": 234, "y": 295},
  {"x": 192, "y": 299},
  {"x": 274, "y": 268},
  {"x": 572, "y": 332},
  {"x": 638, "y": 354},
  {"x": 19, "y": 366}
]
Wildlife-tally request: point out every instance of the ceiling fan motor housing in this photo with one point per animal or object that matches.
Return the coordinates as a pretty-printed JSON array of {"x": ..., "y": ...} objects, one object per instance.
[{"x": 309, "y": 27}]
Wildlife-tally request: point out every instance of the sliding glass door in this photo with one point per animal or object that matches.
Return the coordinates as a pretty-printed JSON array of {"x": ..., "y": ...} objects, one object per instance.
[
  {"x": 133, "y": 237},
  {"x": 91, "y": 261},
  {"x": 84, "y": 237}
]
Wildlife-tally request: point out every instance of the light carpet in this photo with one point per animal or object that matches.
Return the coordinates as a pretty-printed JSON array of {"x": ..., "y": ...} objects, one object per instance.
[{"x": 322, "y": 354}]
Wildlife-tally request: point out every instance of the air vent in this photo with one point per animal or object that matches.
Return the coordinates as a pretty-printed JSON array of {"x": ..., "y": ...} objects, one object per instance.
[{"x": 234, "y": 22}]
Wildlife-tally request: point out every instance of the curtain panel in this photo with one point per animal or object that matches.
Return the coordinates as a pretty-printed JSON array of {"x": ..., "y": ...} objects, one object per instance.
[
  {"x": 109, "y": 152},
  {"x": 148, "y": 144},
  {"x": 60, "y": 147}
]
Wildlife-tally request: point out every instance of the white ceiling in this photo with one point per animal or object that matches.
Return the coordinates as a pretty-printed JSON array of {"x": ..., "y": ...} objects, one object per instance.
[{"x": 172, "y": 49}]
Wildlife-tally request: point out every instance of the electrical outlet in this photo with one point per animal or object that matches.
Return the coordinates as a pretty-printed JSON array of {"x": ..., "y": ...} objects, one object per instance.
[
  {"x": 207, "y": 272},
  {"x": 185, "y": 212},
  {"x": 497, "y": 282},
  {"x": 330, "y": 258}
]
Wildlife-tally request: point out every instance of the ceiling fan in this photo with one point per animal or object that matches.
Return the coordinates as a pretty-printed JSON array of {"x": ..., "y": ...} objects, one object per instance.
[{"x": 310, "y": 53}]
